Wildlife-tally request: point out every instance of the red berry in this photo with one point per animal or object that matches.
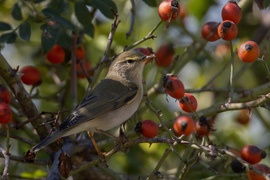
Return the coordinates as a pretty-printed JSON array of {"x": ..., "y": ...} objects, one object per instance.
[
  {"x": 209, "y": 31},
  {"x": 80, "y": 73},
  {"x": 146, "y": 51},
  {"x": 191, "y": 100},
  {"x": 5, "y": 113},
  {"x": 173, "y": 86},
  {"x": 31, "y": 75},
  {"x": 5, "y": 95},
  {"x": 252, "y": 154},
  {"x": 80, "y": 52},
  {"x": 203, "y": 126},
  {"x": 147, "y": 128},
  {"x": 183, "y": 125},
  {"x": 243, "y": 117},
  {"x": 249, "y": 51},
  {"x": 56, "y": 55},
  {"x": 165, "y": 55},
  {"x": 227, "y": 30},
  {"x": 168, "y": 10},
  {"x": 252, "y": 175},
  {"x": 231, "y": 11}
]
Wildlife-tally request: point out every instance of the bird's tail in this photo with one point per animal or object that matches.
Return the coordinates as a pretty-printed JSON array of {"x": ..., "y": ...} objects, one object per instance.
[{"x": 48, "y": 140}]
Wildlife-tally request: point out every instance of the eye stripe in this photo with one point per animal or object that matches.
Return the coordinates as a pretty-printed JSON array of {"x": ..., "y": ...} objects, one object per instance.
[{"x": 129, "y": 61}]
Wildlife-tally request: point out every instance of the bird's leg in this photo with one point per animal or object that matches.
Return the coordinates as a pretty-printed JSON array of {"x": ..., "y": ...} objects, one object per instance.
[
  {"x": 122, "y": 137},
  {"x": 101, "y": 155}
]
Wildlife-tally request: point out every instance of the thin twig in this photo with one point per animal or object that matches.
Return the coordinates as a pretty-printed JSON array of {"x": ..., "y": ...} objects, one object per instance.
[
  {"x": 161, "y": 161},
  {"x": 133, "y": 14},
  {"x": 27, "y": 141},
  {"x": 85, "y": 71},
  {"x": 7, "y": 158},
  {"x": 148, "y": 36},
  {"x": 231, "y": 74},
  {"x": 110, "y": 40},
  {"x": 111, "y": 35},
  {"x": 73, "y": 73},
  {"x": 265, "y": 66}
]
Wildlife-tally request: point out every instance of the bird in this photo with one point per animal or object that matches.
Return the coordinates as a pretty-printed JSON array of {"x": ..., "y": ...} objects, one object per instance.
[{"x": 114, "y": 100}]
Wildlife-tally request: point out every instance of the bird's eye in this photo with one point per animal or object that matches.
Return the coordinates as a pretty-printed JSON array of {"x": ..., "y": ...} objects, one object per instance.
[{"x": 130, "y": 61}]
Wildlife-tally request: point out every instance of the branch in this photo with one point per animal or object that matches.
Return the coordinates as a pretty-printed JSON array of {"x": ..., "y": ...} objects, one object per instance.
[
  {"x": 110, "y": 40},
  {"x": 7, "y": 157},
  {"x": 235, "y": 106},
  {"x": 24, "y": 99},
  {"x": 133, "y": 13},
  {"x": 17, "y": 138},
  {"x": 148, "y": 36},
  {"x": 111, "y": 35}
]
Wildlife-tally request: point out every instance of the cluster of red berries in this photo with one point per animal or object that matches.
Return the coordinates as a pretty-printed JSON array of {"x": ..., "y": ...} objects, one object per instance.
[
  {"x": 164, "y": 54},
  {"x": 32, "y": 76},
  {"x": 227, "y": 30},
  {"x": 57, "y": 55},
  {"x": 5, "y": 111},
  {"x": 249, "y": 51},
  {"x": 253, "y": 155},
  {"x": 184, "y": 125}
]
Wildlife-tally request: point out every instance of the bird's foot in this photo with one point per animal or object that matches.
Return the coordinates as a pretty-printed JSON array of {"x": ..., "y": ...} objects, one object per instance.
[{"x": 102, "y": 159}]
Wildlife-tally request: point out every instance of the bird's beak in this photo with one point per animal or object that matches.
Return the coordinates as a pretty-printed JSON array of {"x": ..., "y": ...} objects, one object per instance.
[{"x": 148, "y": 58}]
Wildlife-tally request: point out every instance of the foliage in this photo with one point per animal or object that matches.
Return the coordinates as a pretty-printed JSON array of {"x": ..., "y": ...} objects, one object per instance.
[{"x": 222, "y": 84}]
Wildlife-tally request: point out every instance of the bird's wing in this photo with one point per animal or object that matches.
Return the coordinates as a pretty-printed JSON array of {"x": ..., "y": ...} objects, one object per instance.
[{"x": 104, "y": 98}]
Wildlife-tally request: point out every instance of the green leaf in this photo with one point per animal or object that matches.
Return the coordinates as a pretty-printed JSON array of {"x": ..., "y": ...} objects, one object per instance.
[
  {"x": 266, "y": 3},
  {"x": 54, "y": 16},
  {"x": 199, "y": 8},
  {"x": 4, "y": 26},
  {"x": 151, "y": 3},
  {"x": 82, "y": 13},
  {"x": 88, "y": 2},
  {"x": 105, "y": 7},
  {"x": 89, "y": 30},
  {"x": 35, "y": 174},
  {"x": 38, "y": 1},
  {"x": 8, "y": 38},
  {"x": 25, "y": 31},
  {"x": 50, "y": 12},
  {"x": 64, "y": 22},
  {"x": 47, "y": 42},
  {"x": 16, "y": 12}
]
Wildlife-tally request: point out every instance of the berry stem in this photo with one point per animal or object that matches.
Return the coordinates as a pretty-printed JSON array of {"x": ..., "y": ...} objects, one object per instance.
[{"x": 231, "y": 74}]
